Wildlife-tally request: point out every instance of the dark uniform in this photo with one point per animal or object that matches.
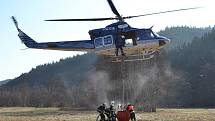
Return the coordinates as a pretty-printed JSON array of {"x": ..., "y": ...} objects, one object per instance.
[
  {"x": 101, "y": 109},
  {"x": 119, "y": 43},
  {"x": 110, "y": 112}
]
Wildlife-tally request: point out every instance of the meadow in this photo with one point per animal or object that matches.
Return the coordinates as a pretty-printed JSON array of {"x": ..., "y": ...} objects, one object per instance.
[{"x": 57, "y": 114}]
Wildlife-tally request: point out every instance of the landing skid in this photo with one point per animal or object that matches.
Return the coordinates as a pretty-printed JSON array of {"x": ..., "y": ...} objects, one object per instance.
[
  {"x": 142, "y": 56},
  {"x": 130, "y": 58}
]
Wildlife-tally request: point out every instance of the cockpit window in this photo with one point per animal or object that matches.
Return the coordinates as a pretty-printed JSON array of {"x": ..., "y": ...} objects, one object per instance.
[
  {"x": 152, "y": 35},
  {"x": 155, "y": 34},
  {"x": 149, "y": 34}
]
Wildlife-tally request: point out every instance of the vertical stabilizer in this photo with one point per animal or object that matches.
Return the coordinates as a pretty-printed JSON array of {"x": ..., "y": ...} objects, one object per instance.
[
  {"x": 15, "y": 22},
  {"x": 28, "y": 41}
]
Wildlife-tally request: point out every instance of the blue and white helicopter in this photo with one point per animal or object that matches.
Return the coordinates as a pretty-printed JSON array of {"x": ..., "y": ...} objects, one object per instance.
[{"x": 140, "y": 44}]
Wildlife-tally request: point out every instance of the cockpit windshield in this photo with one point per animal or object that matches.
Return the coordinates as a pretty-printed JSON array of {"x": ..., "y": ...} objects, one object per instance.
[
  {"x": 155, "y": 34},
  {"x": 147, "y": 34},
  {"x": 150, "y": 34}
]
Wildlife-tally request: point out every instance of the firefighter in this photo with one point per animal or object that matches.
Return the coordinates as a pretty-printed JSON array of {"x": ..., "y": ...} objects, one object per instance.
[
  {"x": 101, "y": 109},
  {"x": 130, "y": 109},
  {"x": 110, "y": 112}
]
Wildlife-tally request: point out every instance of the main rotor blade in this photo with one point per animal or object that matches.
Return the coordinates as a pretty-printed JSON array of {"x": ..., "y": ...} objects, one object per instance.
[
  {"x": 87, "y": 19},
  {"x": 113, "y": 8},
  {"x": 160, "y": 12}
]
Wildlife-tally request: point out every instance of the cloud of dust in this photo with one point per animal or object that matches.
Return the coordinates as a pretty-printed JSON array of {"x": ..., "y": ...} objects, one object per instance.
[
  {"x": 143, "y": 78},
  {"x": 100, "y": 82},
  {"x": 153, "y": 81}
]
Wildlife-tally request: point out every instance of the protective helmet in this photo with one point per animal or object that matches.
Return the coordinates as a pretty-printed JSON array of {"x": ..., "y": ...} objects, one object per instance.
[
  {"x": 112, "y": 103},
  {"x": 104, "y": 104}
]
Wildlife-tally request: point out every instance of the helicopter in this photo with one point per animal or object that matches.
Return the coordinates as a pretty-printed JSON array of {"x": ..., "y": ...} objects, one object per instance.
[{"x": 138, "y": 43}]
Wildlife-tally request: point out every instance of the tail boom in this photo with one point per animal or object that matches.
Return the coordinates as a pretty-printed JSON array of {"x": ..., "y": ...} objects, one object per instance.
[{"x": 81, "y": 45}]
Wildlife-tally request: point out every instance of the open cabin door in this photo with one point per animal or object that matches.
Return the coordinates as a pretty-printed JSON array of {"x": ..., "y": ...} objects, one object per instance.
[{"x": 130, "y": 38}]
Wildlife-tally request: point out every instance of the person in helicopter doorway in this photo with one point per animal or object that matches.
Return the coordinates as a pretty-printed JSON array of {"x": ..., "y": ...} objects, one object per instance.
[
  {"x": 101, "y": 109},
  {"x": 120, "y": 43},
  {"x": 130, "y": 109}
]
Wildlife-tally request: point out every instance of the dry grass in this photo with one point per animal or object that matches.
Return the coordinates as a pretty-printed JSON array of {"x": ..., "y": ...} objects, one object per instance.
[
  {"x": 179, "y": 115},
  {"x": 54, "y": 114}
]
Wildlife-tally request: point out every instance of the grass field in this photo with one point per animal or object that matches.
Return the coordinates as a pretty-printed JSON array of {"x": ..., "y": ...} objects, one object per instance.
[{"x": 55, "y": 114}]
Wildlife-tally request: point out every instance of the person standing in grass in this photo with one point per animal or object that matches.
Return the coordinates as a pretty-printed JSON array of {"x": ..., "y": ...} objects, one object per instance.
[{"x": 130, "y": 109}]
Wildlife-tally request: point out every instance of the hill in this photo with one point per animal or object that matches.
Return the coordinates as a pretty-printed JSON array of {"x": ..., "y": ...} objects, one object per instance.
[
  {"x": 182, "y": 35},
  {"x": 196, "y": 61},
  {"x": 4, "y": 82}
]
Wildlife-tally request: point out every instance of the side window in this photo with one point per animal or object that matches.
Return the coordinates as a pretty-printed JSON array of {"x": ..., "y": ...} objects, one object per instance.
[
  {"x": 108, "y": 40},
  {"x": 98, "y": 42},
  {"x": 103, "y": 41}
]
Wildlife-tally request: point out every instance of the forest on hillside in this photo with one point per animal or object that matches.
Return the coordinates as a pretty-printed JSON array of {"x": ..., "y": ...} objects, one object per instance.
[{"x": 181, "y": 76}]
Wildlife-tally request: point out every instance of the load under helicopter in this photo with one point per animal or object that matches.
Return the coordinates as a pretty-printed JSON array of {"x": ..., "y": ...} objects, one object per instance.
[{"x": 139, "y": 44}]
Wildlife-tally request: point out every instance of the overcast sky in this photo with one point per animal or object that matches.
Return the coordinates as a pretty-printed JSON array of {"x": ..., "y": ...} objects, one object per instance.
[{"x": 30, "y": 15}]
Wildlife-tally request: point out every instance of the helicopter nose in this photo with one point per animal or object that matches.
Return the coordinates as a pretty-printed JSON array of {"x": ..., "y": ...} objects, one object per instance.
[
  {"x": 167, "y": 40},
  {"x": 164, "y": 41}
]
